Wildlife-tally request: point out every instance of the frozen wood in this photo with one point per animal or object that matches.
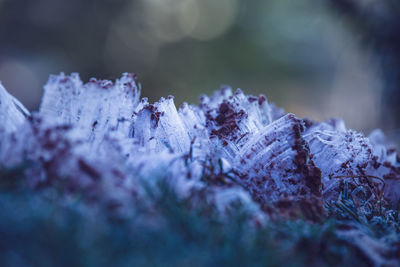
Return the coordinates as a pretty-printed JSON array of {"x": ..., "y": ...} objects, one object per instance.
[{"x": 102, "y": 138}]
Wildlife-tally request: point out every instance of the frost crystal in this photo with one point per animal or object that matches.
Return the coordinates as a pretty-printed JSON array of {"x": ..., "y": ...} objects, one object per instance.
[{"x": 101, "y": 138}]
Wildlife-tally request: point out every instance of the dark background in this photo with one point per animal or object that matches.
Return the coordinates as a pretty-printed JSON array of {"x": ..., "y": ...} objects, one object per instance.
[{"x": 316, "y": 58}]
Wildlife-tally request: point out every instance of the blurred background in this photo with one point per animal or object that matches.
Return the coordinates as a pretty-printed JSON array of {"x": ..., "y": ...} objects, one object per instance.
[{"x": 316, "y": 58}]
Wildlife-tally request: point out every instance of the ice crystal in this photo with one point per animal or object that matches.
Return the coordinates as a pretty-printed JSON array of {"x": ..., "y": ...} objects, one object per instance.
[{"x": 101, "y": 134}]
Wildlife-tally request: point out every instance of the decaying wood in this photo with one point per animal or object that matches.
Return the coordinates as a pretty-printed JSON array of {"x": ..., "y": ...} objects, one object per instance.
[{"x": 102, "y": 138}]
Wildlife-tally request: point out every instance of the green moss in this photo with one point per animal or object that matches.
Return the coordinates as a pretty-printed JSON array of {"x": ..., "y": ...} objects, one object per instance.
[{"x": 41, "y": 228}]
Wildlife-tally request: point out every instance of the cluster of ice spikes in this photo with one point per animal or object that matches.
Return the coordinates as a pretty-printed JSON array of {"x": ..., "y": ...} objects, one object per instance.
[{"x": 102, "y": 140}]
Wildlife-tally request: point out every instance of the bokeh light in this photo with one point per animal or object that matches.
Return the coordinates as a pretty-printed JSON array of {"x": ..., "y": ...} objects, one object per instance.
[{"x": 304, "y": 55}]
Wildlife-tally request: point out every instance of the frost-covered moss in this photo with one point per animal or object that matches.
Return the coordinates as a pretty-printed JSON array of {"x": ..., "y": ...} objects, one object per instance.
[{"x": 99, "y": 176}]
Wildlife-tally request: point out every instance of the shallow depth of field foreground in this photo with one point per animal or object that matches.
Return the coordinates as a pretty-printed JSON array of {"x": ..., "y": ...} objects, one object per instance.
[{"x": 101, "y": 177}]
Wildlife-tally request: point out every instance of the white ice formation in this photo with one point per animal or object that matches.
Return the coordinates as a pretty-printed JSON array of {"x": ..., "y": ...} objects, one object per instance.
[{"x": 102, "y": 138}]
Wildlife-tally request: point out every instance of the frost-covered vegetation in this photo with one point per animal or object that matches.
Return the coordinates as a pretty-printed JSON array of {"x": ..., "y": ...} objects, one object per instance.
[{"x": 99, "y": 176}]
